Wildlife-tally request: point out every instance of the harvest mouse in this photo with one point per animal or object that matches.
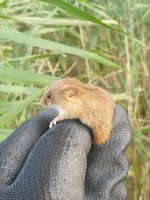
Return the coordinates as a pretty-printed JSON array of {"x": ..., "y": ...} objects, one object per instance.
[{"x": 92, "y": 105}]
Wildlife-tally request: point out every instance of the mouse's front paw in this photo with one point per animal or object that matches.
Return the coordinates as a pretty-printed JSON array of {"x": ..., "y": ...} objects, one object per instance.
[
  {"x": 52, "y": 123},
  {"x": 55, "y": 120}
]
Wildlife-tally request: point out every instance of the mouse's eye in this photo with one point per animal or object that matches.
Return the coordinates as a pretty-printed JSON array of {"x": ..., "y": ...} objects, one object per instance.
[{"x": 48, "y": 95}]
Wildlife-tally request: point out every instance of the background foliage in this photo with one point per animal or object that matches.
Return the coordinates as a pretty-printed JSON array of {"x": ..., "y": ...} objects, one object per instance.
[{"x": 104, "y": 43}]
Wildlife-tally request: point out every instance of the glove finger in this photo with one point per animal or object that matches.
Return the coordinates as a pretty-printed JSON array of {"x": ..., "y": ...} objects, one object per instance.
[
  {"x": 56, "y": 166},
  {"x": 15, "y": 149},
  {"x": 107, "y": 164}
]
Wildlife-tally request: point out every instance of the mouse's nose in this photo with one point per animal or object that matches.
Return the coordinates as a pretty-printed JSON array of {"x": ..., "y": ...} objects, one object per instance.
[{"x": 43, "y": 101}]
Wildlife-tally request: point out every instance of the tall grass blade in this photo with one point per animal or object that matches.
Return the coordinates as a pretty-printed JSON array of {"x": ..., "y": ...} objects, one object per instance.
[
  {"x": 18, "y": 89},
  {"x": 4, "y": 133},
  {"x": 16, "y": 109},
  {"x": 77, "y": 12},
  {"x": 24, "y": 76},
  {"x": 16, "y": 36}
]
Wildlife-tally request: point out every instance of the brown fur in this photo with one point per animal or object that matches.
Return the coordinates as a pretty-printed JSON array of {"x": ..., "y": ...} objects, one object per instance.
[{"x": 91, "y": 104}]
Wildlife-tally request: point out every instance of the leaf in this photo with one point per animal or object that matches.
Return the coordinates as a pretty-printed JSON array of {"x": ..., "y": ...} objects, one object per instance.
[
  {"x": 76, "y": 12},
  {"x": 3, "y": 109},
  {"x": 16, "y": 36},
  {"x": 16, "y": 109},
  {"x": 23, "y": 76},
  {"x": 141, "y": 136},
  {"x": 96, "y": 8},
  {"x": 57, "y": 22},
  {"x": 52, "y": 21},
  {"x": 147, "y": 152},
  {"x": 4, "y": 133},
  {"x": 143, "y": 128},
  {"x": 5, "y": 17},
  {"x": 18, "y": 89},
  {"x": 32, "y": 57}
]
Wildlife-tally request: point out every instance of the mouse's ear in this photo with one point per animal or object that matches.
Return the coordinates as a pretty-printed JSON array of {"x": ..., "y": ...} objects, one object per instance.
[{"x": 69, "y": 91}]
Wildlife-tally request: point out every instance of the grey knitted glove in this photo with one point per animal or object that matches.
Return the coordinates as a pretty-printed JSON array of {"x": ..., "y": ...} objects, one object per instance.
[{"x": 38, "y": 163}]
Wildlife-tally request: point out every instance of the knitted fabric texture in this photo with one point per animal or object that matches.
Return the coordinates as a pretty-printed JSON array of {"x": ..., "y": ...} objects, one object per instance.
[{"x": 38, "y": 163}]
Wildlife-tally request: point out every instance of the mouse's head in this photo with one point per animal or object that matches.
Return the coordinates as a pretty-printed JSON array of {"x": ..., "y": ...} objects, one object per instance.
[{"x": 62, "y": 92}]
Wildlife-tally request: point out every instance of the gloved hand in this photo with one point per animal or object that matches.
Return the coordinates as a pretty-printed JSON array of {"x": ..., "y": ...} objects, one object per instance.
[{"x": 38, "y": 163}]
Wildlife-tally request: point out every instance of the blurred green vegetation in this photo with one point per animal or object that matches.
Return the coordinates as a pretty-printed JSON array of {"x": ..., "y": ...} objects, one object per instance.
[{"x": 104, "y": 43}]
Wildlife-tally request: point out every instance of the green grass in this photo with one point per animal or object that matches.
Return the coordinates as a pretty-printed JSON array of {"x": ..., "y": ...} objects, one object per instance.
[{"x": 105, "y": 43}]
